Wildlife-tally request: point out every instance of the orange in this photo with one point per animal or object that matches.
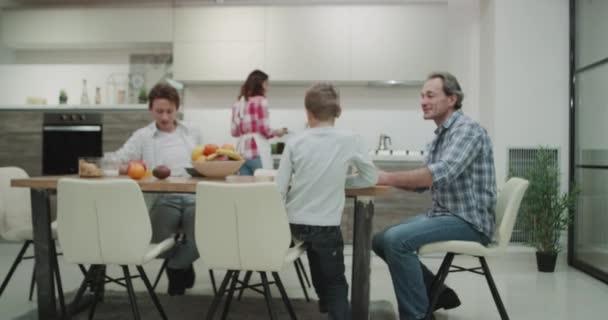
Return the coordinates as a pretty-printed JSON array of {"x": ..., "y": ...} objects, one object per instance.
[
  {"x": 136, "y": 170},
  {"x": 228, "y": 146}
]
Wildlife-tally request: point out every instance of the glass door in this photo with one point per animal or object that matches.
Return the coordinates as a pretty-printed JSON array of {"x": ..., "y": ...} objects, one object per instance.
[{"x": 588, "y": 236}]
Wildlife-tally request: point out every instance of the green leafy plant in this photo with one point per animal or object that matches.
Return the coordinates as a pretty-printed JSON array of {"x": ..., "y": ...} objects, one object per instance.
[
  {"x": 63, "y": 96},
  {"x": 143, "y": 95},
  {"x": 546, "y": 212}
]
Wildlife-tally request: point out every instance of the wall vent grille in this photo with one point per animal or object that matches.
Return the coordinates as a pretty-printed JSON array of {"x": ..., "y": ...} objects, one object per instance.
[{"x": 520, "y": 161}]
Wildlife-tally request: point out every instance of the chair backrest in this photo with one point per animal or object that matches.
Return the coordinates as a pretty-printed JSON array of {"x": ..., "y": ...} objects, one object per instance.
[
  {"x": 507, "y": 207},
  {"x": 241, "y": 226},
  {"x": 102, "y": 221},
  {"x": 16, "y": 211},
  {"x": 266, "y": 173}
]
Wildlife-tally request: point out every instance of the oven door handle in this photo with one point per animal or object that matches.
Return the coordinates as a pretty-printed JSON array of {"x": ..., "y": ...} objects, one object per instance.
[{"x": 72, "y": 128}]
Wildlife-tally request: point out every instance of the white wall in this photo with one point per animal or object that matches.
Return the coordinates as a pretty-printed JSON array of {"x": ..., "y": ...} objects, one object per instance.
[
  {"x": 530, "y": 77},
  {"x": 464, "y": 50},
  {"x": 369, "y": 111},
  {"x": 17, "y": 82}
]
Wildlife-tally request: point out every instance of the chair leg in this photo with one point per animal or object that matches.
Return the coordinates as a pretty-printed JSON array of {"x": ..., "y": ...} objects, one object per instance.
[
  {"x": 94, "y": 305},
  {"x": 132, "y": 299},
  {"x": 299, "y": 273},
  {"x": 301, "y": 264},
  {"x": 32, "y": 282},
  {"x": 245, "y": 283},
  {"x": 268, "y": 296},
  {"x": 83, "y": 269},
  {"x": 212, "y": 277},
  {"x": 160, "y": 273},
  {"x": 59, "y": 283},
  {"x": 14, "y": 266},
  {"x": 279, "y": 283},
  {"x": 230, "y": 294},
  {"x": 499, "y": 305},
  {"x": 442, "y": 274},
  {"x": 218, "y": 296},
  {"x": 150, "y": 288}
]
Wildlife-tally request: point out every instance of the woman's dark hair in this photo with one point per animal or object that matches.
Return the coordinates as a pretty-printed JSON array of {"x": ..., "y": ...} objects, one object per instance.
[
  {"x": 163, "y": 91},
  {"x": 254, "y": 85}
]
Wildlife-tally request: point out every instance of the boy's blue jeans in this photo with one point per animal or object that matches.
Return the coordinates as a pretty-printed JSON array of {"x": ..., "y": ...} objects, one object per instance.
[
  {"x": 325, "y": 251},
  {"x": 398, "y": 246}
]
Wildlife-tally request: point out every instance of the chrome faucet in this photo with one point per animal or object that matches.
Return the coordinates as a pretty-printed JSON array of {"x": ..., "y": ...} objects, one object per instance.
[{"x": 385, "y": 142}]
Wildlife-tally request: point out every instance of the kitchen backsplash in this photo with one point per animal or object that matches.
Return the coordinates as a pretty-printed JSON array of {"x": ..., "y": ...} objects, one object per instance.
[{"x": 366, "y": 110}]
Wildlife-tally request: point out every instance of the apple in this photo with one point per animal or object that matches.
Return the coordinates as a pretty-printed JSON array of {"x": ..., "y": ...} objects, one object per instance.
[
  {"x": 161, "y": 172},
  {"x": 210, "y": 149},
  {"x": 197, "y": 152}
]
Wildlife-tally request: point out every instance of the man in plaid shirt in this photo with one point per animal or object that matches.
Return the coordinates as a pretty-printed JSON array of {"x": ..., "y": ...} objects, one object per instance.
[{"x": 459, "y": 170}]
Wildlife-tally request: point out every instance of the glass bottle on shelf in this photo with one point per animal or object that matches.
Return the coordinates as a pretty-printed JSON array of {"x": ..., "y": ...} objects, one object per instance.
[
  {"x": 84, "y": 98},
  {"x": 97, "y": 95}
]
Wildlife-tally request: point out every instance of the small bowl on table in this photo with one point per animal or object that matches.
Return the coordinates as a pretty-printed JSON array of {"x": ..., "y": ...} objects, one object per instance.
[{"x": 217, "y": 169}]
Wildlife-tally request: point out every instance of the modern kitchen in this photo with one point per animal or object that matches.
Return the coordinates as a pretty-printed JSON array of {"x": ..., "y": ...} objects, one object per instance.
[{"x": 75, "y": 77}]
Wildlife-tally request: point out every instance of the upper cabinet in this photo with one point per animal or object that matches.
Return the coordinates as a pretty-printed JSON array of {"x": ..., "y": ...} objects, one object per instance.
[
  {"x": 87, "y": 28},
  {"x": 398, "y": 42},
  {"x": 218, "y": 44},
  {"x": 308, "y": 43}
]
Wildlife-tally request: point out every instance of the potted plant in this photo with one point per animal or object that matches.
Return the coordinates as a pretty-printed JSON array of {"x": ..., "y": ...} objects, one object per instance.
[
  {"x": 546, "y": 212},
  {"x": 63, "y": 97},
  {"x": 143, "y": 95}
]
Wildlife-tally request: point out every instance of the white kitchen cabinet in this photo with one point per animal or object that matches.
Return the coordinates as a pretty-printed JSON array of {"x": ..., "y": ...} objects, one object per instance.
[
  {"x": 394, "y": 42},
  {"x": 308, "y": 43},
  {"x": 201, "y": 24},
  {"x": 87, "y": 27},
  {"x": 218, "y": 44},
  {"x": 216, "y": 60}
]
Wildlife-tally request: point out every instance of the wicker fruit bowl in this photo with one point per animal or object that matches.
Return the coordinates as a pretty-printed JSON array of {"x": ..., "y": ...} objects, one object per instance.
[{"x": 218, "y": 169}]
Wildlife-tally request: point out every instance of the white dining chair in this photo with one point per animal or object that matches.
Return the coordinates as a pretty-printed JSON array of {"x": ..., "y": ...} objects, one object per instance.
[
  {"x": 16, "y": 221},
  {"x": 299, "y": 266},
  {"x": 507, "y": 207},
  {"x": 106, "y": 222},
  {"x": 244, "y": 227}
]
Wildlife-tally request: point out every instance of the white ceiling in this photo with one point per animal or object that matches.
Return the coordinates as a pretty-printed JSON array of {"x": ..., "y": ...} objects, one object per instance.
[{"x": 100, "y": 3}]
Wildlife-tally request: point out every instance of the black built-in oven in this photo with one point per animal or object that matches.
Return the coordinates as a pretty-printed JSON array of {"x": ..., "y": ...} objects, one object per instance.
[{"x": 68, "y": 135}]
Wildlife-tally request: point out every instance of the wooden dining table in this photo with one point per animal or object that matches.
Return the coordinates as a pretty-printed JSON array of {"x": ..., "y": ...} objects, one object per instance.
[{"x": 43, "y": 187}]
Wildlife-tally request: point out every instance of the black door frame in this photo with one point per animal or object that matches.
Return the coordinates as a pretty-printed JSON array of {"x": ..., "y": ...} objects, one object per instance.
[{"x": 572, "y": 261}]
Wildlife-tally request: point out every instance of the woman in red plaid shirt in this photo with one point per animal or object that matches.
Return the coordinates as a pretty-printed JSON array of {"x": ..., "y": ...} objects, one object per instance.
[{"x": 250, "y": 123}]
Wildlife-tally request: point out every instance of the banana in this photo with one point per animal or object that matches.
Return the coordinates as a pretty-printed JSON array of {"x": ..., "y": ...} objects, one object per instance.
[
  {"x": 229, "y": 153},
  {"x": 212, "y": 156}
]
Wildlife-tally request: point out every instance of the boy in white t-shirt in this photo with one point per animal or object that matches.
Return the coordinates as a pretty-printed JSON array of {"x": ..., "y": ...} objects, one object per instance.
[{"x": 312, "y": 176}]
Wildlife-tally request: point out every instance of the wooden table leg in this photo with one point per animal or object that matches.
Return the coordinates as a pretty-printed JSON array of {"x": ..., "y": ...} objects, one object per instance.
[
  {"x": 362, "y": 243},
  {"x": 43, "y": 239}
]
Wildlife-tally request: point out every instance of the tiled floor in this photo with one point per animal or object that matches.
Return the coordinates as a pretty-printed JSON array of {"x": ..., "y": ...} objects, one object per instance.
[{"x": 565, "y": 294}]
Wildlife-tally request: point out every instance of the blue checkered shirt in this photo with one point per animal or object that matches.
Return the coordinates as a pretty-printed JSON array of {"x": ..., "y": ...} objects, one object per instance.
[{"x": 461, "y": 161}]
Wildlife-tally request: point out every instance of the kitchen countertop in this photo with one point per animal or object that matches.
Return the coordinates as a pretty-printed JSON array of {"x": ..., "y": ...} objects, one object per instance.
[
  {"x": 59, "y": 107},
  {"x": 394, "y": 156}
]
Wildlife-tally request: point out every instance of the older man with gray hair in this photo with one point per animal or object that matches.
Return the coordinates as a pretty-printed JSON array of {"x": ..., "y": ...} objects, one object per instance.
[{"x": 459, "y": 171}]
